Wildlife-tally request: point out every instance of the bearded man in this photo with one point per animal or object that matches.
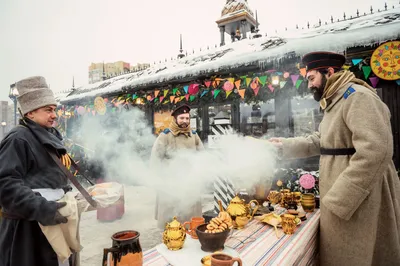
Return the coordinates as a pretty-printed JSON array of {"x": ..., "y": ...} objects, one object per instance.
[
  {"x": 178, "y": 136},
  {"x": 360, "y": 189}
]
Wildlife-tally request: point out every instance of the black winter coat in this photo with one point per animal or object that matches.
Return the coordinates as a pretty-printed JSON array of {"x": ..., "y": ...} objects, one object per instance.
[{"x": 24, "y": 165}]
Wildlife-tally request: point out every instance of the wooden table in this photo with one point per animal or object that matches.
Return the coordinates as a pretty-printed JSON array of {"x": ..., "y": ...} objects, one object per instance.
[{"x": 257, "y": 244}]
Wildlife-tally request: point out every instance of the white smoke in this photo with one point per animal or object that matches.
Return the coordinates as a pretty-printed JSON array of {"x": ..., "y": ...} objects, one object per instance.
[{"x": 123, "y": 146}]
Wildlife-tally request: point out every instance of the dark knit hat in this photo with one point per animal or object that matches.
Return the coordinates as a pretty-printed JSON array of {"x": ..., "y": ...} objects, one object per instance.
[
  {"x": 34, "y": 94},
  {"x": 323, "y": 60},
  {"x": 183, "y": 109}
]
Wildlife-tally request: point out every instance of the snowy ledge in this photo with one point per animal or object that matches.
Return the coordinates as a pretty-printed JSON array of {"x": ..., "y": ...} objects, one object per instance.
[{"x": 336, "y": 37}]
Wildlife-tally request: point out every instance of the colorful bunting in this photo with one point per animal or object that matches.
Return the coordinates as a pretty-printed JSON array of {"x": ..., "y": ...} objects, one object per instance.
[
  {"x": 271, "y": 88},
  {"x": 207, "y": 83},
  {"x": 166, "y": 93},
  {"x": 156, "y": 92},
  {"x": 282, "y": 84},
  {"x": 256, "y": 90},
  {"x": 374, "y": 81},
  {"x": 242, "y": 93},
  {"x": 231, "y": 80},
  {"x": 216, "y": 92},
  {"x": 194, "y": 89},
  {"x": 237, "y": 84},
  {"x": 177, "y": 99},
  {"x": 171, "y": 98},
  {"x": 367, "y": 71},
  {"x": 192, "y": 97},
  {"x": 356, "y": 61},
  {"x": 303, "y": 71},
  {"x": 204, "y": 93},
  {"x": 174, "y": 91},
  {"x": 262, "y": 79},
  {"x": 161, "y": 98},
  {"x": 228, "y": 93},
  {"x": 298, "y": 83},
  {"x": 248, "y": 80},
  {"x": 187, "y": 97},
  {"x": 186, "y": 88},
  {"x": 294, "y": 78},
  {"x": 228, "y": 86}
]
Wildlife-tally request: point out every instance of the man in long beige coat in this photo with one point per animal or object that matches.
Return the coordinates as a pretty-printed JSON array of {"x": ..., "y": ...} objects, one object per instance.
[
  {"x": 177, "y": 137},
  {"x": 360, "y": 189}
]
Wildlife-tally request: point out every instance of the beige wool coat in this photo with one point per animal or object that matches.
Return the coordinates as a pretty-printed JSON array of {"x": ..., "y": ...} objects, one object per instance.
[
  {"x": 360, "y": 193},
  {"x": 163, "y": 149}
]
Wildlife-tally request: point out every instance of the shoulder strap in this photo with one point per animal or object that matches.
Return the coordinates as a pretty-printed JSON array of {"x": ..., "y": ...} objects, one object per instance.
[
  {"x": 166, "y": 131},
  {"x": 69, "y": 175},
  {"x": 194, "y": 132}
]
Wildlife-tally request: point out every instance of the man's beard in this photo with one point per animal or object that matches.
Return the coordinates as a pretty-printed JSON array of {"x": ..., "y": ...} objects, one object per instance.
[
  {"x": 319, "y": 91},
  {"x": 183, "y": 125}
]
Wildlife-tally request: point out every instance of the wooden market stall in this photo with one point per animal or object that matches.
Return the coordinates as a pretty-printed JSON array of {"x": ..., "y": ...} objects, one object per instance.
[{"x": 255, "y": 85}]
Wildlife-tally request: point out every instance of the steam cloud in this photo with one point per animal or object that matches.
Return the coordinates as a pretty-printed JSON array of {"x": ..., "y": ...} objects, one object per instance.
[{"x": 123, "y": 147}]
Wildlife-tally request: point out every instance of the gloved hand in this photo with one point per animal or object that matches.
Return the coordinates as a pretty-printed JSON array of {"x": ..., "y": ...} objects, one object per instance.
[{"x": 58, "y": 218}]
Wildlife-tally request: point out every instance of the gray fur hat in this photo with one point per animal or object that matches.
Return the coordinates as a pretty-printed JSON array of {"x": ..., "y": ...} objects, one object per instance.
[{"x": 34, "y": 94}]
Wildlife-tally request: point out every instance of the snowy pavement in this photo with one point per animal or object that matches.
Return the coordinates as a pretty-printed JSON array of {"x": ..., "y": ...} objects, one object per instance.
[{"x": 139, "y": 216}]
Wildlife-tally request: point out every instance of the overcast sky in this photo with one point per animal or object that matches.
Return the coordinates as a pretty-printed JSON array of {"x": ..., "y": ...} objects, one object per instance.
[{"x": 58, "y": 39}]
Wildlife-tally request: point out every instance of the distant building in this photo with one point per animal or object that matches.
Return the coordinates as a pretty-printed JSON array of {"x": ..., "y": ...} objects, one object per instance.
[{"x": 101, "y": 71}]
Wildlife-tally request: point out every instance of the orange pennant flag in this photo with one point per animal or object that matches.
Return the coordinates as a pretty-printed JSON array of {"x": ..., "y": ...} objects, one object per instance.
[
  {"x": 171, "y": 98},
  {"x": 242, "y": 92},
  {"x": 156, "y": 92},
  {"x": 237, "y": 84},
  {"x": 177, "y": 100},
  {"x": 303, "y": 71},
  {"x": 214, "y": 84}
]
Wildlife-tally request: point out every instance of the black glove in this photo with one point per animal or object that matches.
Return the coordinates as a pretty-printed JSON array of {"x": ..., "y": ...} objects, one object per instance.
[{"x": 58, "y": 218}]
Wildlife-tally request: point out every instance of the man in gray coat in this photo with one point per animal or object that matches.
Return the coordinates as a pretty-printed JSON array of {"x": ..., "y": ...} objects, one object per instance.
[{"x": 360, "y": 189}]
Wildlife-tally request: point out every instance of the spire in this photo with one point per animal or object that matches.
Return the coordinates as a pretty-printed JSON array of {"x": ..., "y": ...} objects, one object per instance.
[
  {"x": 180, "y": 42},
  {"x": 181, "y": 54},
  {"x": 104, "y": 72},
  {"x": 257, "y": 35}
]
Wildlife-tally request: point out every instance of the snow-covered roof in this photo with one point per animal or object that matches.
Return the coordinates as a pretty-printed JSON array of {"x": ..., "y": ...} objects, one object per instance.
[
  {"x": 336, "y": 37},
  {"x": 233, "y": 7}
]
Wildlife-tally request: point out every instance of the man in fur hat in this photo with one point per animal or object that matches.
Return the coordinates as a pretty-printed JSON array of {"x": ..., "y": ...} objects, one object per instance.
[
  {"x": 27, "y": 168},
  {"x": 178, "y": 136},
  {"x": 360, "y": 189}
]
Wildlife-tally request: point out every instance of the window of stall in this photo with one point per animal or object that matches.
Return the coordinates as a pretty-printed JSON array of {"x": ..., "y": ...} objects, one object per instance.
[
  {"x": 306, "y": 115},
  {"x": 258, "y": 119}
]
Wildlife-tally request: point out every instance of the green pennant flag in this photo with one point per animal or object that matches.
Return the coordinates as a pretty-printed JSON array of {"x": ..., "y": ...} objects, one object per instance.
[
  {"x": 263, "y": 79},
  {"x": 298, "y": 83},
  {"x": 134, "y": 96},
  {"x": 174, "y": 90},
  {"x": 282, "y": 84},
  {"x": 216, "y": 92},
  {"x": 192, "y": 97},
  {"x": 156, "y": 100},
  {"x": 367, "y": 71},
  {"x": 243, "y": 77}
]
